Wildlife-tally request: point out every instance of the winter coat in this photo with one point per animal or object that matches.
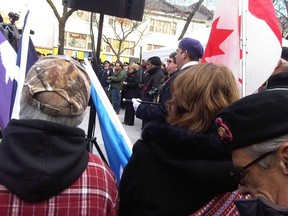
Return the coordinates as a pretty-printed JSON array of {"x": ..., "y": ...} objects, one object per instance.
[
  {"x": 174, "y": 172},
  {"x": 151, "y": 82},
  {"x": 158, "y": 112}
]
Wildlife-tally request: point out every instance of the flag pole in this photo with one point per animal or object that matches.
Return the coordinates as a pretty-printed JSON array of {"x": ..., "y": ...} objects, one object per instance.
[{"x": 243, "y": 40}]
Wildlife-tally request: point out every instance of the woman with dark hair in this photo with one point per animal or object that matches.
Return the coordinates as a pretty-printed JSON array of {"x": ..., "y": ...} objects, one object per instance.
[{"x": 179, "y": 166}]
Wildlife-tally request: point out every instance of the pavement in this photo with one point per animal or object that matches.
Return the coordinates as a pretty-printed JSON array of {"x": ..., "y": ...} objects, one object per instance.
[{"x": 133, "y": 132}]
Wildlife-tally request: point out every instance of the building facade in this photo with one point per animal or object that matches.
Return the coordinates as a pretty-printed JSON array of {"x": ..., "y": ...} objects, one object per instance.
[{"x": 161, "y": 26}]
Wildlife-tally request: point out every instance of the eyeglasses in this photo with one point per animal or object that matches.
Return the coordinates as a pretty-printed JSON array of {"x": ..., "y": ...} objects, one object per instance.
[
  {"x": 169, "y": 61},
  {"x": 238, "y": 174}
]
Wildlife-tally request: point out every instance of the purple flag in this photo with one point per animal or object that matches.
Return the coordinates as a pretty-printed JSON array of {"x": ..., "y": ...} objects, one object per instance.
[
  {"x": 13, "y": 69},
  {"x": 8, "y": 70}
]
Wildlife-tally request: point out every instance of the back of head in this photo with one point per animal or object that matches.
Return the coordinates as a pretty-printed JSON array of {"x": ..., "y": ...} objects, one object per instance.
[
  {"x": 56, "y": 89},
  {"x": 253, "y": 119},
  {"x": 199, "y": 93},
  {"x": 134, "y": 66}
]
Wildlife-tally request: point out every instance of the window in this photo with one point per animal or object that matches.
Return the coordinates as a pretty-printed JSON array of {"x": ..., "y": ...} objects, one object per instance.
[
  {"x": 75, "y": 40},
  {"x": 126, "y": 44},
  {"x": 153, "y": 46},
  {"x": 89, "y": 42},
  {"x": 110, "y": 21},
  {"x": 161, "y": 26}
]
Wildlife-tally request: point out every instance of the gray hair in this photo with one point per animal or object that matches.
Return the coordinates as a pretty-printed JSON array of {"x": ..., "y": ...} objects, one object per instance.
[
  {"x": 27, "y": 111},
  {"x": 260, "y": 148}
]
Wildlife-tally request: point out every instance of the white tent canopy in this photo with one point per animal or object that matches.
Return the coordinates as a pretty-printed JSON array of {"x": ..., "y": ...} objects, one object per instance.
[{"x": 163, "y": 53}]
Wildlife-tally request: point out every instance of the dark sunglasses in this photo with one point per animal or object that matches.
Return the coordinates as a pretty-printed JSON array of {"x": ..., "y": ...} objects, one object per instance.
[
  {"x": 238, "y": 174},
  {"x": 169, "y": 61}
]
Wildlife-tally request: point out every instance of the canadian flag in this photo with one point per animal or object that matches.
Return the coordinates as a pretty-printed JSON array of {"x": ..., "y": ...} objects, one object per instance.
[{"x": 250, "y": 27}]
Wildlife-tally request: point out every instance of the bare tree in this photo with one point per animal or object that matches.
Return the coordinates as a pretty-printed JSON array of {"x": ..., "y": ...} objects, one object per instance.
[
  {"x": 122, "y": 29},
  {"x": 281, "y": 8},
  {"x": 66, "y": 13},
  {"x": 190, "y": 17},
  {"x": 186, "y": 12}
]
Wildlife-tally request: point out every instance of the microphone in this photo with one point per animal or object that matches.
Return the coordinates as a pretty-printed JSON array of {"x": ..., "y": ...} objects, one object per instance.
[{"x": 142, "y": 102}]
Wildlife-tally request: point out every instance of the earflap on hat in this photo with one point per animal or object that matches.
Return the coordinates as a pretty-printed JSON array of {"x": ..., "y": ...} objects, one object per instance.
[{"x": 63, "y": 76}]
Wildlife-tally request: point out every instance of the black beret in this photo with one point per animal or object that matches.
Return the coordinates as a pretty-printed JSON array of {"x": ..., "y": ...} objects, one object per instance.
[{"x": 254, "y": 118}]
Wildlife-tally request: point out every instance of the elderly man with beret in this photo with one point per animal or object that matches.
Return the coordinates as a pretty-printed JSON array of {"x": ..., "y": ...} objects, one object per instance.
[{"x": 255, "y": 130}]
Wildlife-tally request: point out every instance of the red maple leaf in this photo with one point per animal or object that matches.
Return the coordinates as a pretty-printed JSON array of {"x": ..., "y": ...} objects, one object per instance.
[{"x": 217, "y": 37}]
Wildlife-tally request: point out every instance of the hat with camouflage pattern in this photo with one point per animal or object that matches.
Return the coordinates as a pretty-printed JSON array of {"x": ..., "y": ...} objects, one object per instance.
[{"x": 62, "y": 75}]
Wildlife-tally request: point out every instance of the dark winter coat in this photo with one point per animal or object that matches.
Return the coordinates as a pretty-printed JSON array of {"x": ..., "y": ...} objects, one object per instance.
[
  {"x": 131, "y": 90},
  {"x": 158, "y": 112},
  {"x": 173, "y": 172},
  {"x": 103, "y": 76},
  {"x": 152, "y": 81}
]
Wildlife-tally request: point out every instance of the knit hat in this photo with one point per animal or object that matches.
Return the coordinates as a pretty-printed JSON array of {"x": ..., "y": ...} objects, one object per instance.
[
  {"x": 192, "y": 46},
  {"x": 155, "y": 60},
  {"x": 62, "y": 75},
  {"x": 253, "y": 119}
]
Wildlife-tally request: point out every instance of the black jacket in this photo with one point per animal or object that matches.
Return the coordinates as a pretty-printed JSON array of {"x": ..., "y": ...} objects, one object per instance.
[
  {"x": 39, "y": 159},
  {"x": 158, "y": 112},
  {"x": 152, "y": 81},
  {"x": 103, "y": 75},
  {"x": 132, "y": 88},
  {"x": 173, "y": 172}
]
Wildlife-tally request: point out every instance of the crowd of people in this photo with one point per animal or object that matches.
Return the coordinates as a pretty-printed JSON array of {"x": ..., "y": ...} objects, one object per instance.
[{"x": 203, "y": 149}]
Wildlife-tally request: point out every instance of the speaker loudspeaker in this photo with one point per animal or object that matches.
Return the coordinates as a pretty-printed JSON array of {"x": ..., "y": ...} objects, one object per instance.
[{"x": 131, "y": 9}]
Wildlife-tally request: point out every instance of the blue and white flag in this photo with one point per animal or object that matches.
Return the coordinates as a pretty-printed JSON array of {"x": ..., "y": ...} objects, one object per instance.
[
  {"x": 13, "y": 70},
  {"x": 117, "y": 143}
]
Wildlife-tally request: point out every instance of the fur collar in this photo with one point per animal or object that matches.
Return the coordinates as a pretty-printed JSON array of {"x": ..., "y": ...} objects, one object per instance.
[{"x": 178, "y": 143}]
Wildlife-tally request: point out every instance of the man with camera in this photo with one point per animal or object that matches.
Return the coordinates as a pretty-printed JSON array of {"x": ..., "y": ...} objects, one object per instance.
[{"x": 10, "y": 30}]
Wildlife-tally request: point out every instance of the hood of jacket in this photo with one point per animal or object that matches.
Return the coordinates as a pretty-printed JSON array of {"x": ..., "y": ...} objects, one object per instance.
[{"x": 39, "y": 159}]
